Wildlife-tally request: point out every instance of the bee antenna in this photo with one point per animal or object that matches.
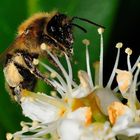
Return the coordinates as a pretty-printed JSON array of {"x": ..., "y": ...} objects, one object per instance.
[
  {"x": 78, "y": 26},
  {"x": 88, "y": 21}
]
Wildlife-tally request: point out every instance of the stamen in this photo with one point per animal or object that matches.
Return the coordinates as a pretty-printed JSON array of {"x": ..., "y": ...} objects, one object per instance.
[
  {"x": 70, "y": 71},
  {"x": 100, "y": 31},
  {"x": 135, "y": 65},
  {"x": 86, "y": 42},
  {"x": 88, "y": 67},
  {"x": 132, "y": 97},
  {"x": 96, "y": 67},
  {"x": 59, "y": 88},
  {"x": 61, "y": 80},
  {"x": 128, "y": 51},
  {"x": 118, "y": 45},
  {"x": 63, "y": 71},
  {"x": 45, "y": 98},
  {"x": 138, "y": 84}
]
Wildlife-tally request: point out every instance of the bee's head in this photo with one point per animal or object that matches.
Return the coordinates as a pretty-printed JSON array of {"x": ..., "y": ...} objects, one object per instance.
[
  {"x": 54, "y": 29},
  {"x": 60, "y": 29}
]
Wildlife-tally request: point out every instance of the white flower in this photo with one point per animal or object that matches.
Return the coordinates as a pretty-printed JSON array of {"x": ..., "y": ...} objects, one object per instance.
[
  {"x": 40, "y": 107},
  {"x": 84, "y": 111}
]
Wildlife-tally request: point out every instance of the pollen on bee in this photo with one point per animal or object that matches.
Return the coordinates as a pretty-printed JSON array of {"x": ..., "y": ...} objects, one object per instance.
[
  {"x": 43, "y": 46},
  {"x": 15, "y": 97},
  {"x": 53, "y": 74},
  {"x": 35, "y": 61}
]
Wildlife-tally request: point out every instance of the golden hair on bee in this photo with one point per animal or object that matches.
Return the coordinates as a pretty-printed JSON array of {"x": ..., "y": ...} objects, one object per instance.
[{"x": 33, "y": 18}]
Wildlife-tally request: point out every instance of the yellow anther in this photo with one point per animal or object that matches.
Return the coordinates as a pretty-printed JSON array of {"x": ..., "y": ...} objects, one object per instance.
[
  {"x": 119, "y": 45},
  {"x": 35, "y": 61},
  {"x": 128, "y": 51},
  {"x": 100, "y": 30},
  {"x": 86, "y": 42}
]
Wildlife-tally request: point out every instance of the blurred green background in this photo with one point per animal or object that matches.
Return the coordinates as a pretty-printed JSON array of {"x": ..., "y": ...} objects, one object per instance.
[{"x": 120, "y": 17}]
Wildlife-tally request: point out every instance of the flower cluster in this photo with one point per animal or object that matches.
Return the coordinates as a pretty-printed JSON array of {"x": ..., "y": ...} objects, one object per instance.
[{"x": 85, "y": 111}]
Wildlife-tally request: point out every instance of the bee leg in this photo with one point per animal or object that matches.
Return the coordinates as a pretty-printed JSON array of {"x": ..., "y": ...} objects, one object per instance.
[
  {"x": 33, "y": 69},
  {"x": 17, "y": 91}
]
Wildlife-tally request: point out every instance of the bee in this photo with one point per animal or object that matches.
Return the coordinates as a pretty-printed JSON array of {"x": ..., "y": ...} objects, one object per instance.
[{"x": 55, "y": 30}]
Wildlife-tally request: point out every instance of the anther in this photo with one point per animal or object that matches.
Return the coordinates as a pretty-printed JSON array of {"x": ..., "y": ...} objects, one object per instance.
[
  {"x": 100, "y": 30},
  {"x": 119, "y": 45},
  {"x": 128, "y": 51},
  {"x": 86, "y": 42}
]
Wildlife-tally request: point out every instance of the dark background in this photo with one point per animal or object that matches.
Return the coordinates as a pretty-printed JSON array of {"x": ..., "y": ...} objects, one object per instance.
[{"x": 120, "y": 17}]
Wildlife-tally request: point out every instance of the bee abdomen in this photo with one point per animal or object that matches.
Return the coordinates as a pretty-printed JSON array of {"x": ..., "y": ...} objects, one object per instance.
[{"x": 29, "y": 80}]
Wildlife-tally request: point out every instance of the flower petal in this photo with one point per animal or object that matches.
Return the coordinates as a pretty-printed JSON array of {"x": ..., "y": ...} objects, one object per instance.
[
  {"x": 84, "y": 88},
  {"x": 82, "y": 114},
  {"x": 123, "y": 121},
  {"x": 40, "y": 107},
  {"x": 115, "y": 110},
  {"x": 104, "y": 98},
  {"x": 124, "y": 79},
  {"x": 70, "y": 129}
]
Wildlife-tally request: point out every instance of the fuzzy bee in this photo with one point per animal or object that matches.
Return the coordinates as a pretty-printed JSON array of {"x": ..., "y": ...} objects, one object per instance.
[{"x": 55, "y": 30}]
